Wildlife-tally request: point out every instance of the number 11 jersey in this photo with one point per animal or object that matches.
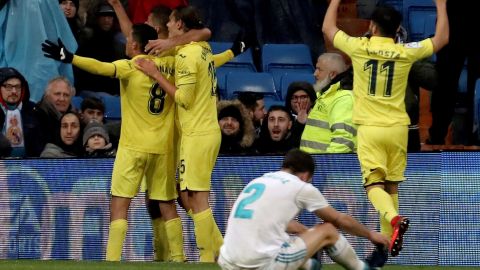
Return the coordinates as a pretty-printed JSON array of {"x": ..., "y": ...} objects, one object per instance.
[{"x": 380, "y": 76}]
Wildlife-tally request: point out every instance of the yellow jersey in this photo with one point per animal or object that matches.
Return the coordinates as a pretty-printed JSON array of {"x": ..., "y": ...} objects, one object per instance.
[
  {"x": 380, "y": 77},
  {"x": 196, "y": 96},
  {"x": 147, "y": 110}
]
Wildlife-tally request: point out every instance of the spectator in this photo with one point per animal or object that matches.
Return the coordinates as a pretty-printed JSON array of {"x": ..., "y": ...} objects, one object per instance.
[
  {"x": 68, "y": 141},
  {"x": 329, "y": 127},
  {"x": 96, "y": 141},
  {"x": 17, "y": 120},
  {"x": 299, "y": 101},
  {"x": 256, "y": 106},
  {"x": 451, "y": 59},
  {"x": 106, "y": 44},
  {"x": 55, "y": 102},
  {"x": 237, "y": 129},
  {"x": 79, "y": 31},
  {"x": 275, "y": 137},
  {"x": 25, "y": 24},
  {"x": 92, "y": 109}
]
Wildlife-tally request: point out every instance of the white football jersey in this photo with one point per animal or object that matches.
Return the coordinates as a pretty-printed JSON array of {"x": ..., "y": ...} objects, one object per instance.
[{"x": 258, "y": 221}]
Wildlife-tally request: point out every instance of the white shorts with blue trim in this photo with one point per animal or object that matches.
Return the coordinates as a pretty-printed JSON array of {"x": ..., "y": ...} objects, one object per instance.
[{"x": 291, "y": 256}]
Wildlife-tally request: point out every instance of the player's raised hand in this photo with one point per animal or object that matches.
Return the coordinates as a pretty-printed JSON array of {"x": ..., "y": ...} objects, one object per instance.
[
  {"x": 240, "y": 44},
  {"x": 57, "y": 52}
]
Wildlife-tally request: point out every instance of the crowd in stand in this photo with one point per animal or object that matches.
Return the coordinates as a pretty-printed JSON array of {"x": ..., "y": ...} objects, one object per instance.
[{"x": 308, "y": 120}]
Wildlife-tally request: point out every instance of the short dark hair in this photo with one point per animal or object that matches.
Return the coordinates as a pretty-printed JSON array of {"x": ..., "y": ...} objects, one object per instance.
[
  {"x": 190, "y": 17},
  {"x": 249, "y": 99},
  {"x": 298, "y": 161},
  {"x": 387, "y": 19},
  {"x": 92, "y": 103},
  {"x": 160, "y": 15},
  {"x": 279, "y": 108},
  {"x": 297, "y": 86},
  {"x": 142, "y": 33}
]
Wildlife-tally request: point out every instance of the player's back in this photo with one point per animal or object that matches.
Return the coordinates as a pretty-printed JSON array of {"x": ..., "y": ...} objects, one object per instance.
[
  {"x": 147, "y": 111},
  {"x": 381, "y": 70},
  {"x": 259, "y": 218},
  {"x": 194, "y": 65}
]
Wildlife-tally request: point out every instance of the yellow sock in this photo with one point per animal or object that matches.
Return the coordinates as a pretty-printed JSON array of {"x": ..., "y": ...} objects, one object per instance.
[
  {"x": 383, "y": 203},
  {"x": 385, "y": 227},
  {"x": 217, "y": 239},
  {"x": 160, "y": 241},
  {"x": 395, "y": 201},
  {"x": 173, "y": 228},
  {"x": 116, "y": 237},
  {"x": 203, "y": 233}
]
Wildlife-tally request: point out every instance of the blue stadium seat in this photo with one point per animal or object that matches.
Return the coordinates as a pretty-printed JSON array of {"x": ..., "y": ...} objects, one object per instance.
[
  {"x": 77, "y": 102},
  {"x": 279, "y": 59},
  {"x": 270, "y": 102},
  {"x": 112, "y": 107},
  {"x": 222, "y": 73},
  {"x": 288, "y": 78},
  {"x": 419, "y": 18},
  {"x": 242, "y": 61},
  {"x": 257, "y": 82}
]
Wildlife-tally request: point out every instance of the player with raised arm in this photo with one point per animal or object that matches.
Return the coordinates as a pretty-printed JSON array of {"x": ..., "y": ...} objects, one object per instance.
[
  {"x": 381, "y": 70},
  {"x": 262, "y": 217},
  {"x": 145, "y": 140},
  {"x": 158, "y": 19},
  {"x": 195, "y": 95}
]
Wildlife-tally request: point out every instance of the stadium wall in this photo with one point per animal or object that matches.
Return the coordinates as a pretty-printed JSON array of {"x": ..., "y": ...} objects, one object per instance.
[{"x": 59, "y": 209}]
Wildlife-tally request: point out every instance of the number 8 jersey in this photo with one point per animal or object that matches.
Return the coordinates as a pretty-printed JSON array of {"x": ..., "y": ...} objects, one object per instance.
[
  {"x": 258, "y": 221},
  {"x": 380, "y": 69},
  {"x": 147, "y": 111}
]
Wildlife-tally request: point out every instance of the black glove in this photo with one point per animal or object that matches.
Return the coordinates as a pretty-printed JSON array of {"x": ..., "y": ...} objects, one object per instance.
[
  {"x": 240, "y": 44},
  {"x": 57, "y": 52}
]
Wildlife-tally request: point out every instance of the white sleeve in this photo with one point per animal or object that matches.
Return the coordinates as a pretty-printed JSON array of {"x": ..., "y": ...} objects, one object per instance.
[{"x": 311, "y": 199}]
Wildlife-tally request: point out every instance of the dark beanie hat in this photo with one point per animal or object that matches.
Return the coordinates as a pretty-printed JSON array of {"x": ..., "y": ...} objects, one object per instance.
[
  {"x": 75, "y": 2},
  {"x": 231, "y": 111},
  {"x": 95, "y": 128}
]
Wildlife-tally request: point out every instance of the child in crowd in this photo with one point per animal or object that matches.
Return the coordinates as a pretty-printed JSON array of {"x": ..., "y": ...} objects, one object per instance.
[{"x": 96, "y": 141}]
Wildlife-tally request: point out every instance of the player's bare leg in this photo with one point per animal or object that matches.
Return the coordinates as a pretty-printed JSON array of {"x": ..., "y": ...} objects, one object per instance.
[{"x": 326, "y": 236}]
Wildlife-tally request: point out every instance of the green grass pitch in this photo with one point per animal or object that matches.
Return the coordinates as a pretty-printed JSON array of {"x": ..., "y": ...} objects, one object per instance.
[{"x": 93, "y": 265}]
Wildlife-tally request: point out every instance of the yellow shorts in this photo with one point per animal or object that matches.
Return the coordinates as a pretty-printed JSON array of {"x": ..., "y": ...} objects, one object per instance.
[
  {"x": 197, "y": 159},
  {"x": 131, "y": 167},
  {"x": 382, "y": 153}
]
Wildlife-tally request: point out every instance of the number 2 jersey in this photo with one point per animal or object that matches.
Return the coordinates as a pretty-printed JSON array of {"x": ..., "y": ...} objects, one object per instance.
[
  {"x": 147, "y": 111},
  {"x": 258, "y": 221},
  {"x": 380, "y": 77}
]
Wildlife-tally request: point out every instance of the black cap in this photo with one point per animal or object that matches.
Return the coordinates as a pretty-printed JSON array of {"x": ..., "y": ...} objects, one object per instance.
[{"x": 105, "y": 10}]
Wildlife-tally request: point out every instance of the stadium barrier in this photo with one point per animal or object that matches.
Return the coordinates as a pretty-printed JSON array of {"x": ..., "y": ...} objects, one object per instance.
[{"x": 59, "y": 209}]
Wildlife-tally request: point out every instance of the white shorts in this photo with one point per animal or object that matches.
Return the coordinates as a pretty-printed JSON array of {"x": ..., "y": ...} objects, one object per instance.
[{"x": 291, "y": 256}]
